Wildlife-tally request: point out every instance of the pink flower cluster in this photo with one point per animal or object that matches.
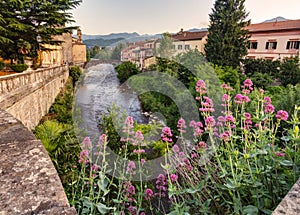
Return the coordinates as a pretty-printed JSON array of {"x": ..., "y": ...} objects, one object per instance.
[
  {"x": 198, "y": 128},
  {"x": 148, "y": 194},
  {"x": 161, "y": 184},
  {"x": 269, "y": 108},
  {"x": 282, "y": 115},
  {"x": 210, "y": 122},
  {"x": 248, "y": 121},
  {"x": 181, "y": 125},
  {"x": 200, "y": 87},
  {"x": 207, "y": 105},
  {"x": 240, "y": 99},
  {"x": 131, "y": 168},
  {"x": 247, "y": 87},
  {"x": 166, "y": 134}
]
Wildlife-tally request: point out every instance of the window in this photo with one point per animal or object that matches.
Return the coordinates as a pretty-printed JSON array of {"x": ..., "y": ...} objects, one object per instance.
[
  {"x": 179, "y": 47},
  {"x": 187, "y": 47},
  {"x": 292, "y": 44},
  {"x": 253, "y": 45},
  {"x": 271, "y": 45}
]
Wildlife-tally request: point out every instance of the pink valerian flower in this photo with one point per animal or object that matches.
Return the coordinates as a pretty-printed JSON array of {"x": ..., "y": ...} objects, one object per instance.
[
  {"x": 173, "y": 177},
  {"x": 132, "y": 210},
  {"x": 240, "y": 99},
  {"x": 267, "y": 100},
  {"x": 194, "y": 155},
  {"x": 201, "y": 87},
  {"x": 84, "y": 157},
  {"x": 161, "y": 184},
  {"x": 175, "y": 148},
  {"x": 149, "y": 193},
  {"x": 95, "y": 168},
  {"x": 166, "y": 134},
  {"x": 248, "y": 122},
  {"x": 143, "y": 161},
  {"x": 131, "y": 168},
  {"x": 261, "y": 91},
  {"x": 282, "y": 115},
  {"x": 210, "y": 122},
  {"x": 138, "y": 139},
  {"x": 128, "y": 125},
  {"x": 247, "y": 87},
  {"x": 138, "y": 151},
  {"x": 230, "y": 118},
  {"x": 102, "y": 140},
  {"x": 139, "y": 136},
  {"x": 226, "y": 100},
  {"x": 198, "y": 131},
  {"x": 225, "y": 136},
  {"x": 202, "y": 145},
  {"x": 187, "y": 164},
  {"x": 181, "y": 125},
  {"x": 207, "y": 105},
  {"x": 86, "y": 144},
  {"x": 142, "y": 213},
  {"x": 226, "y": 87},
  {"x": 269, "y": 108},
  {"x": 280, "y": 154}
]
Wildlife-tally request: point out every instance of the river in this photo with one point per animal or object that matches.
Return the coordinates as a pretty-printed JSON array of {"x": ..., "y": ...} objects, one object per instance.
[{"x": 98, "y": 92}]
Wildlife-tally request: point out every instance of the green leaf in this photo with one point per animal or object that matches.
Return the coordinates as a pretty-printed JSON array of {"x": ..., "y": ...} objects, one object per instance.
[
  {"x": 250, "y": 210},
  {"x": 286, "y": 163},
  {"x": 103, "y": 209}
]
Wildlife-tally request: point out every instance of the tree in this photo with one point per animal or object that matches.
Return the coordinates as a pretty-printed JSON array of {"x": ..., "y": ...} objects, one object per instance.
[
  {"x": 165, "y": 49},
  {"x": 227, "y": 39},
  {"x": 22, "y": 22},
  {"x": 116, "y": 53}
]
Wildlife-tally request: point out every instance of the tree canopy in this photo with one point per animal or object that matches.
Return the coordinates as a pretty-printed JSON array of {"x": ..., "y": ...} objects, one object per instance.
[
  {"x": 26, "y": 23},
  {"x": 228, "y": 39}
]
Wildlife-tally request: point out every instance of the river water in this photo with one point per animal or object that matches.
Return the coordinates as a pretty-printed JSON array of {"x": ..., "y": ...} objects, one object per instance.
[{"x": 99, "y": 91}]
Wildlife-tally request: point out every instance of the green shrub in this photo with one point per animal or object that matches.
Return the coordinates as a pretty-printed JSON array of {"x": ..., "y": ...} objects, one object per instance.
[
  {"x": 2, "y": 65},
  {"x": 18, "y": 67},
  {"x": 126, "y": 70},
  {"x": 75, "y": 73}
]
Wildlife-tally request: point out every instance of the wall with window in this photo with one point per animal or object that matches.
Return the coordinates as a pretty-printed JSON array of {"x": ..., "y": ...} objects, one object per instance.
[{"x": 274, "y": 45}]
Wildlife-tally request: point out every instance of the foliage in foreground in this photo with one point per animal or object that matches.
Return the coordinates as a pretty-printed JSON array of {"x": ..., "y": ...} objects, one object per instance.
[{"x": 238, "y": 163}]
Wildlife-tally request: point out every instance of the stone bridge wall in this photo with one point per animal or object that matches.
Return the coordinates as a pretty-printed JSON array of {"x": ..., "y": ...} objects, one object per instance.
[{"x": 29, "y": 95}]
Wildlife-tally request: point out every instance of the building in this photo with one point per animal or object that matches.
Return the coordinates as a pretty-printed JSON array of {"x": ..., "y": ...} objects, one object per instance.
[
  {"x": 185, "y": 40},
  {"x": 139, "y": 53},
  {"x": 274, "y": 40}
]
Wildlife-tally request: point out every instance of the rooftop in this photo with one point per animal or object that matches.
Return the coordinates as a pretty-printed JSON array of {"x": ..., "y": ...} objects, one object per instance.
[
  {"x": 186, "y": 35},
  {"x": 275, "y": 26}
]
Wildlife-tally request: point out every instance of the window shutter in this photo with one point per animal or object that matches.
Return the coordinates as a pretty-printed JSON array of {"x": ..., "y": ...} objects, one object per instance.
[
  {"x": 297, "y": 43},
  {"x": 267, "y": 45},
  {"x": 288, "y": 45}
]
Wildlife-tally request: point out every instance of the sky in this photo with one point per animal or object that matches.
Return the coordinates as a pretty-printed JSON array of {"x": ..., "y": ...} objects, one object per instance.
[{"x": 158, "y": 16}]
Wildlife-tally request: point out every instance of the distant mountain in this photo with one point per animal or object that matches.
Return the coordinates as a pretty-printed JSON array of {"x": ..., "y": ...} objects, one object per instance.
[
  {"x": 277, "y": 19},
  {"x": 138, "y": 38},
  {"x": 197, "y": 29},
  {"x": 110, "y": 36},
  {"x": 101, "y": 42}
]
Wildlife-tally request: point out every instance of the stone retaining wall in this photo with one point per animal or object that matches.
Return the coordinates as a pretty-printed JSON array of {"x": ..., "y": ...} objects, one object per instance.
[
  {"x": 29, "y": 95},
  {"x": 29, "y": 183}
]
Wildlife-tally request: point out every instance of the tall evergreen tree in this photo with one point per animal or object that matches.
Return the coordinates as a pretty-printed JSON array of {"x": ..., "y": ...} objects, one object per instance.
[
  {"x": 228, "y": 39},
  {"x": 22, "y": 21}
]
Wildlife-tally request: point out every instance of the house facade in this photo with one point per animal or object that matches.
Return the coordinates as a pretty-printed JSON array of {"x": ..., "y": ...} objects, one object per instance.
[
  {"x": 274, "y": 40},
  {"x": 184, "y": 41}
]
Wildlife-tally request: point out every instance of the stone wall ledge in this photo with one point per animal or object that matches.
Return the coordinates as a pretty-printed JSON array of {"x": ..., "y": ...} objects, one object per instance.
[
  {"x": 290, "y": 205},
  {"x": 29, "y": 183}
]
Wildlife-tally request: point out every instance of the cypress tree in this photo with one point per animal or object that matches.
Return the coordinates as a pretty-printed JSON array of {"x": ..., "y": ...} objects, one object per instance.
[{"x": 228, "y": 39}]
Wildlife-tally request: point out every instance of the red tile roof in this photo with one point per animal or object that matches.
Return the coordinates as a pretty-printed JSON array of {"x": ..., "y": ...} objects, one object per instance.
[
  {"x": 186, "y": 35},
  {"x": 275, "y": 26}
]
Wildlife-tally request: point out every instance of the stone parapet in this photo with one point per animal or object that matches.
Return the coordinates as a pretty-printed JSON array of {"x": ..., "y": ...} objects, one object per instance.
[
  {"x": 290, "y": 205},
  {"x": 29, "y": 95},
  {"x": 29, "y": 183}
]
